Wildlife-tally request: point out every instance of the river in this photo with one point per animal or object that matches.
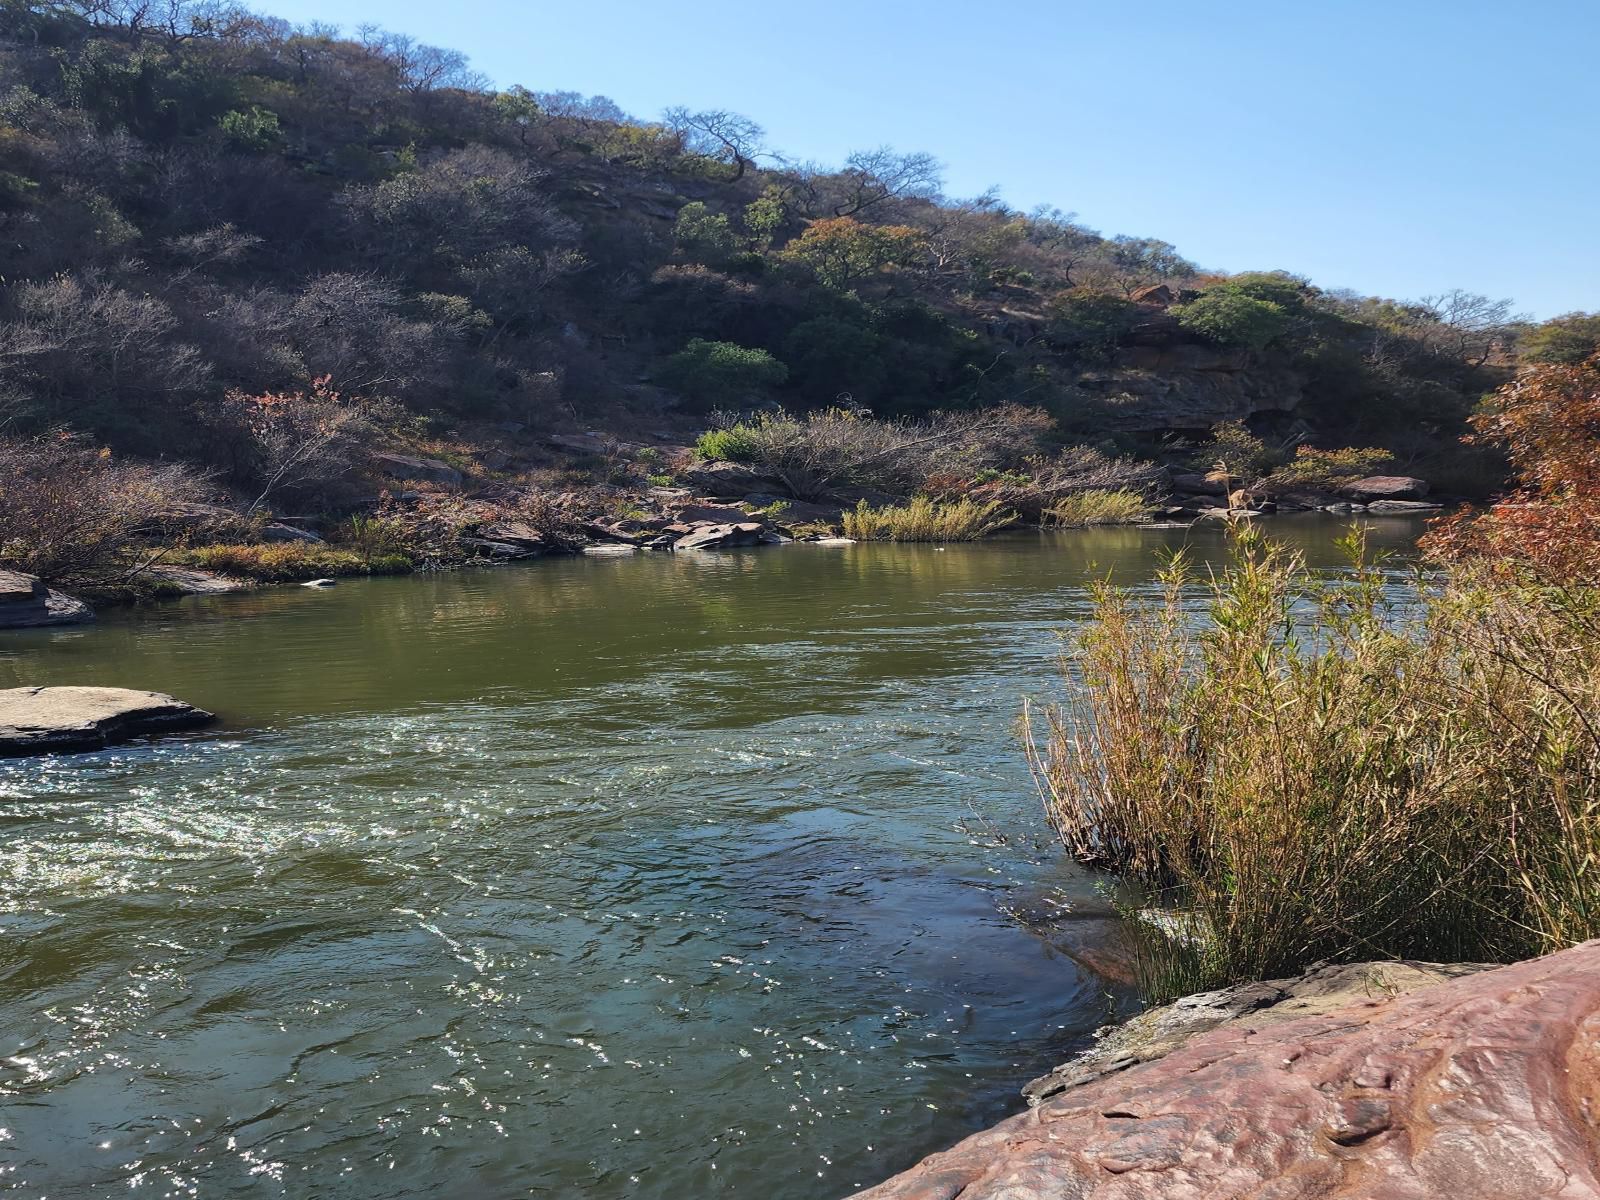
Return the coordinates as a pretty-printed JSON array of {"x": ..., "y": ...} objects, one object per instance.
[{"x": 655, "y": 877}]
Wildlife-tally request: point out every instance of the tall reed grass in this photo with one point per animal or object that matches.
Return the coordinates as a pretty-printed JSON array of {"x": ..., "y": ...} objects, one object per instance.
[
  {"x": 923, "y": 519},
  {"x": 1333, "y": 767},
  {"x": 1118, "y": 506}
]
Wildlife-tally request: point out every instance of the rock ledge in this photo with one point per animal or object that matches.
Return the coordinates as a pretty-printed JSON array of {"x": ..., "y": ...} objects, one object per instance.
[
  {"x": 55, "y": 720},
  {"x": 1484, "y": 1086}
]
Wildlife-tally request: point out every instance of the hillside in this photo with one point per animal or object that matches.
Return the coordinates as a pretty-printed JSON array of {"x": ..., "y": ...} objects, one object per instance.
[{"x": 196, "y": 200}]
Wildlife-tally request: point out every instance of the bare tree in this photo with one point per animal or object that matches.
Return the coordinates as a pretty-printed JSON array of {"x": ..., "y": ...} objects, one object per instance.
[
  {"x": 720, "y": 134},
  {"x": 872, "y": 176},
  {"x": 1467, "y": 325},
  {"x": 420, "y": 68}
]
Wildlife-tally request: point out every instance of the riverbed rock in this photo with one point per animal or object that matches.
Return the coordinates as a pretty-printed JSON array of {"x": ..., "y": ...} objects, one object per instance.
[
  {"x": 25, "y": 602},
  {"x": 1386, "y": 487},
  {"x": 1401, "y": 507},
  {"x": 1159, "y": 1031},
  {"x": 1487, "y": 1085},
  {"x": 431, "y": 470},
  {"x": 713, "y": 514},
  {"x": 722, "y": 537},
  {"x": 277, "y": 531},
  {"x": 726, "y": 480},
  {"x": 56, "y": 720},
  {"x": 192, "y": 581}
]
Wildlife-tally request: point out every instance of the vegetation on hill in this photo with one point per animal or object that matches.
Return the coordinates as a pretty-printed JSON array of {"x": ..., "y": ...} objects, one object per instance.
[{"x": 202, "y": 207}]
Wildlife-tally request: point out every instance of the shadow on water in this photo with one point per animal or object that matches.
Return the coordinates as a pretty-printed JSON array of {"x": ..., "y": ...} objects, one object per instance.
[{"x": 679, "y": 875}]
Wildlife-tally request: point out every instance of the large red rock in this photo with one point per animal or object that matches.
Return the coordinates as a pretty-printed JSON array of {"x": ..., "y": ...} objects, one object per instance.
[
  {"x": 1487, "y": 1086},
  {"x": 1387, "y": 487}
]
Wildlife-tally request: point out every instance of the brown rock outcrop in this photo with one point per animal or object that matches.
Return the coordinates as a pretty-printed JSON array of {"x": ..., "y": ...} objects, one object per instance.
[
  {"x": 1386, "y": 487},
  {"x": 1485, "y": 1086},
  {"x": 25, "y": 602}
]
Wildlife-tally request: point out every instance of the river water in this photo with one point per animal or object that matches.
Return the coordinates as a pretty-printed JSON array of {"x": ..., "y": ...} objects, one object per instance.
[{"x": 657, "y": 877}]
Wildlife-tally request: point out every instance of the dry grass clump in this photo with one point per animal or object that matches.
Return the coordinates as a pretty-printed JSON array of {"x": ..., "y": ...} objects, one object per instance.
[
  {"x": 1122, "y": 506},
  {"x": 1316, "y": 770},
  {"x": 285, "y": 562},
  {"x": 923, "y": 519}
]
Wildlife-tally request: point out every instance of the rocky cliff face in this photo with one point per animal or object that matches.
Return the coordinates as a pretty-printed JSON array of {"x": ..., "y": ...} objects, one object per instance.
[
  {"x": 1186, "y": 386},
  {"x": 1484, "y": 1086}
]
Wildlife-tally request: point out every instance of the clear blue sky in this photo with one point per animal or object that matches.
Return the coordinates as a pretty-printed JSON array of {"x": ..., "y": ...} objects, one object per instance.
[{"x": 1399, "y": 147}]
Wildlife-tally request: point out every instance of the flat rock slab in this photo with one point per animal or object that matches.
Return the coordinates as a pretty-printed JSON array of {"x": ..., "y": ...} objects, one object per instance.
[
  {"x": 57, "y": 720},
  {"x": 26, "y": 602},
  {"x": 1486, "y": 1086}
]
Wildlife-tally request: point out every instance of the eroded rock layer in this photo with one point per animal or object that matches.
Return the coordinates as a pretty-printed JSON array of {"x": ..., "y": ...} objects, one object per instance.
[{"x": 1484, "y": 1086}]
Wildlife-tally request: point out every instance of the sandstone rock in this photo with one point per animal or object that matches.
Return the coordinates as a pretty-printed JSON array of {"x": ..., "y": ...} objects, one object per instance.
[
  {"x": 277, "y": 531},
  {"x": 1402, "y": 506},
  {"x": 1386, "y": 487},
  {"x": 192, "y": 581},
  {"x": 1483, "y": 1086},
  {"x": 519, "y": 535},
  {"x": 714, "y": 514},
  {"x": 400, "y": 466},
  {"x": 1199, "y": 485},
  {"x": 17, "y": 588},
  {"x": 1185, "y": 387},
  {"x": 726, "y": 480},
  {"x": 44, "y": 720},
  {"x": 581, "y": 443},
  {"x": 722, "y": 537},
  {"x": 1158, "y": 1032},
  {"x": 25, "y": 602},
  {"x": 610, "y": 551}
]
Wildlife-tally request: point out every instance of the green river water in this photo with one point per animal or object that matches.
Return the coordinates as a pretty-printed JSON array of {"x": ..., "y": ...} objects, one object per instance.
[{"x": 657, "y": 877}]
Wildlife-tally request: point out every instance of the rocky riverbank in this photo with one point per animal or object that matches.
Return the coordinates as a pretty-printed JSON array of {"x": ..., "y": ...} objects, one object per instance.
[{"x": 1385, "y": 1079}]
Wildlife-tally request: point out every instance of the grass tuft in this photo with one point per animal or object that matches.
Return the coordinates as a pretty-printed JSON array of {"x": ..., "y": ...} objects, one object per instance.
[
  {"x": 926, "y": 520},
  {"x": 1122, "y": 506},
  {"x": 284, "y": 562},
  {"x": 1323, "y": 769}
]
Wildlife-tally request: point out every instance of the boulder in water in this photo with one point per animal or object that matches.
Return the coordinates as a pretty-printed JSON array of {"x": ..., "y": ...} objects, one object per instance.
[{"x": 55, "y": 720}]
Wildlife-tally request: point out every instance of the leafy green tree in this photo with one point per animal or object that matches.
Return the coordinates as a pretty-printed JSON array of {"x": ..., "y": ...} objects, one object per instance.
[
  {"x": 1230, "y": 316},
  {"x": 841, "y": 251},
  {"x": 716, "y": 374},
  {"x": 252, "y": 130},
  {"x": 1088, "y": 323},
  {"x": 765, "y": 215},
  {"x": 703, "y": 235},
  {"x": 1567, "y": 339}
]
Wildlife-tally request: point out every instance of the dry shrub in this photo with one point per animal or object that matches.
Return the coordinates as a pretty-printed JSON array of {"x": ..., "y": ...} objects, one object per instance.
[
  {"x": 824, "y": 452},
  {"x": 1309, "y": 773},
  {"x": 75, "y": 516}
]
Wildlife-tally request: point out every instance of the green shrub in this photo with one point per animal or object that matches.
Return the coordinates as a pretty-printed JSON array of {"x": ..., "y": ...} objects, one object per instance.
[
  {"x": 712, "y": 374},
  {"x": 925, "y": 520},
  {"x": 1311, "y": 467},
  {"x": 735, "y": 443},
  {"x": 1119, "y": 507},
  {"x": 1308, "y": 773},
  {"x": 1234, "y": 318}
]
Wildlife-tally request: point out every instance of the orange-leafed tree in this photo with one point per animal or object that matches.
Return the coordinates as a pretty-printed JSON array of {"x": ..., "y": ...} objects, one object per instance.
[
  {"x": 1548, "y": 422},
  {"x": 841, "y": 250},
  {"x": 297, "y": 442}
]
